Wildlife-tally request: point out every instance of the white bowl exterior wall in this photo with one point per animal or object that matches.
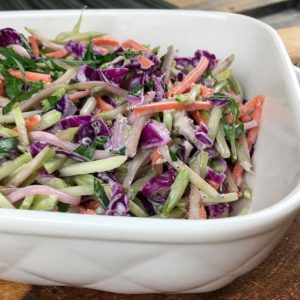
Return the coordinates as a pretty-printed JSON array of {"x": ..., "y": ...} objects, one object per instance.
[{"x": 132, "y": 267}]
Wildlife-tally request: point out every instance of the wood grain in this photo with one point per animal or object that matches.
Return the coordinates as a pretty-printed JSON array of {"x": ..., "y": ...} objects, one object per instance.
[
  {"x": 291, "y": 39},
  {"x": 223, "y": 5}
]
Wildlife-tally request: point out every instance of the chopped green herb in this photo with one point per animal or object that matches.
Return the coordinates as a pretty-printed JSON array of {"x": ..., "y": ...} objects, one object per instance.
[
  {"x": 100, "y": 141},
  {"x": 63, "y": 207},
  {"x": 6, "y": 146},
  {"x": 100, "y": 193},
  {"x": 87, "y": 152},
  {"x": 172, "y": 155}
]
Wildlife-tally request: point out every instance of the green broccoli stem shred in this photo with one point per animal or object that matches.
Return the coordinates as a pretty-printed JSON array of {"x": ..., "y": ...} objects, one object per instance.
[{"x": 177, "y": 190}]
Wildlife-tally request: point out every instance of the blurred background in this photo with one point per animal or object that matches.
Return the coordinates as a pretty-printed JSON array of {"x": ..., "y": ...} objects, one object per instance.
[{"x": 278, "y": 13}]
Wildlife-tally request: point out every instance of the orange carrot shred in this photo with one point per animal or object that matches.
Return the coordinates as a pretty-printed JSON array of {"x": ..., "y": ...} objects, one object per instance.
[
  {"x": 103, "y": 105},
  {"x": 60, "y": 53},
  {"x": 215, "y": 185},
  {"x": 31, "y": 76},
  {"x": 2, "y": 91},
  {"x": 34, "y": 45},
  {"x": 134, "y": 45},
  {"x": 155, "y": 107},
  {"x": 206, "y": 91},
  {"x": 253, "y": 132},
  {"x": 31, "y": 121},
  {"x": 202, "y": 212},
  {"x": 105, "y": 41},
  {"x": 237, "y": 173},
  {"x": 191, "y": 77},
  {"x": 145, "y": 62},
  {"x": 198, "y": 117}
]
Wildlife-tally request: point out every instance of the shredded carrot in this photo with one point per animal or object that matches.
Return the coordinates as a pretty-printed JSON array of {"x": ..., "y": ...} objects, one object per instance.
[
  {"x": 60, "y": 53},
  {"x": 253, "y": 132},
  {"x": 2, "y": 91},
  {"x": 198, "y": 117},
  {"x": 191, "y": 77},
  {"x": 155, "y": 156},
  {"x": 92, "y": 204},
  {"x": 86, "y": 211},
  {"x": 101, "y": 49},
  {"x": 155, "y": 107},
  {"x": 249, "y": 106},
  {"x": 31, "y": 121},
  {"x": 74, "y": 97},
  {"x": 134, "y": 45},
  {"x": 31, "y": 76},
  {"x": 202, "y": 212},
  {"x": 34, "y": 43},
  {"x": 229, "y": 118},
  {"x": 145, "y": 62},
  {"x": 237, "y": 173},
  {"x": 103, "y": 105},
  {"x": 215, "y": 185},
  {"x": 206, "y": 91},
  {"x": 105, "y": 41}
]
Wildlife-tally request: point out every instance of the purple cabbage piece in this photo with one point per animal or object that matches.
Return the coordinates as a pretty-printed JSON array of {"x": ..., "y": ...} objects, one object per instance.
[
  {"x": 185, "y": 150},
  {"x": 203, "y": 128},
  {"x": 182, "y": 62},
  {"x": 204, "y": 139},
  {"x": 89, "y": 131},
  {"x": 214, "y": 176},
  {"x": 154, "y": 134},
  {"x": 87, "y": 73},
  {"x": 25, "y": 88},
  {"x": 74, "y": 121},
  {"x": 135, "y": 99},
  {"x": 44, "y": 173},
  {"x": 9, "y": 36},
  {"x": 220, "y": 210},
  {"x": 159, "y": 184},
  {"x": 218, "y": 102},
  {"x": 149, "y": 206},
  {"x": 210, "y": 56},
  {"x": 212, "y": 152},
  {"x": 180, "y": 76},
  {"x": 77, "y": 49},
  {"x": 66, "y": 106},
  {"x": 208, "y": 82},
  {"x": 115, "y": 75},
  {"x": 36, "y": 147},
  {"x": 119, "y": 203},
  {"x": 110, "y": 101},
  {"x": 138, "y": 79},
  {"x": 158, "y": 87},
  {"x": 118, "y": 133}
]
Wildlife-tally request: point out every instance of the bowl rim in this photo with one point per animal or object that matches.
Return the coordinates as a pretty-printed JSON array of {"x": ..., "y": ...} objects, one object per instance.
[{"x": 146, "y": 229}]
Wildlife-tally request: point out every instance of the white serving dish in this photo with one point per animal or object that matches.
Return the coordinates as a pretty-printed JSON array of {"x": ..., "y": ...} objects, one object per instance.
[{"x": 139, "y": 255}]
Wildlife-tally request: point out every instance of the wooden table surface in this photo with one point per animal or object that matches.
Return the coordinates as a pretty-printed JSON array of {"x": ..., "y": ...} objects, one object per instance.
[{"x": 278, "y": 278}]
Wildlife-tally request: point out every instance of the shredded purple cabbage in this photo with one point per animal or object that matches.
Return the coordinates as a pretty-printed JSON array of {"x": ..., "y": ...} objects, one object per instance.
[
  {"x": 87, "y": 132},
  {"x": 9, "y": 36},
  {"x": 119, "y": 203},
  {"x": 154, "y": 134},
  {"x": 159, "y": 184}
]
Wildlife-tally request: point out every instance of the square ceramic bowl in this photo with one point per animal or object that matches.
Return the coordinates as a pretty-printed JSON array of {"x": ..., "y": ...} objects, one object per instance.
[{"x": 142, "y": 255}]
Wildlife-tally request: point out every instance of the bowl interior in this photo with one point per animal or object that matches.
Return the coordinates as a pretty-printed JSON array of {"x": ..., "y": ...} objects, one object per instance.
[{"x": 261, "y": 65}]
